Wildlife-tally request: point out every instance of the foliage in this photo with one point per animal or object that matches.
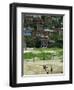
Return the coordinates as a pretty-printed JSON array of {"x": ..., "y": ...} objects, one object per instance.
[
  {"x": 30, "y": 41},
  {"x": 49, "y": 22},
  {"x": 37, "y": 42}
]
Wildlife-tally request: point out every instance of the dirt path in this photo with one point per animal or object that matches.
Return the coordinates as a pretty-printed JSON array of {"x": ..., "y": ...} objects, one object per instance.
[{"x": 43, "y": 67}]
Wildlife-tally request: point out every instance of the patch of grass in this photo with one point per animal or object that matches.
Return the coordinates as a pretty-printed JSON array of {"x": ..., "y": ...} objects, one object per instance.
[
  {"x": 42, "y": 55},
  {"x": 28, "y": 55}
]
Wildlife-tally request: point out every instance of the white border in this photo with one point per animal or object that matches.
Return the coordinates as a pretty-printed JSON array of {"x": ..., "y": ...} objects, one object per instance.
[{"x": 50, "y": 78}]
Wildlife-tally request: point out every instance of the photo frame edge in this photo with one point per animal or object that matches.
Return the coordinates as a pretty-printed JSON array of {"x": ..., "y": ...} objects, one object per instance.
[{"x": 13, "y": 45}]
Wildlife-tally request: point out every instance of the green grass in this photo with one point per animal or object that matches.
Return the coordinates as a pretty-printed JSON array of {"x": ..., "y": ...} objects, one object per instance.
[
  {"x": 42, "y": 55},
  {"x": 28, "y": 55}
]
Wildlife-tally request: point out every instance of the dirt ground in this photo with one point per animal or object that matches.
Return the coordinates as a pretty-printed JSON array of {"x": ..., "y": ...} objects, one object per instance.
[{"x": 42, "y": 67}]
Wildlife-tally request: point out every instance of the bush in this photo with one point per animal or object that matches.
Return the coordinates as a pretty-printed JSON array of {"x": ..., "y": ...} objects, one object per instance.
[
  {"x": 37, "y": 42},
  {"x": 30, "y": 42},
  {"x": 58, "y": 44}
]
